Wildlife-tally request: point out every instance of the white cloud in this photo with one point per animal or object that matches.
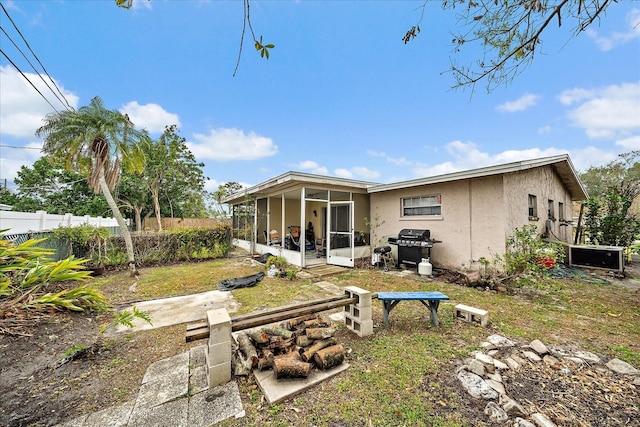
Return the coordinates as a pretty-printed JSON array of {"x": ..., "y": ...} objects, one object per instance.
[
  {"x": 617, "y": 38},
  {"x": 399, "y": 161},
  {"x": 607, "y": 112},
  {"x": 630, "y": 144},
  {"x": 225, "y": 144},
  {"x": 312, "y": 167},
  {"x": 12, "y": 159},
  {"x": 373, "y": 153},
  {"x": 365, "y": 173},
  {"x": 469, "y": 156},
  {"x": 21, "y": 107},
  {"x": 343, "y": 173},
  {"x": 525, "y": 101},
  {"x": 151, "y": 117}
]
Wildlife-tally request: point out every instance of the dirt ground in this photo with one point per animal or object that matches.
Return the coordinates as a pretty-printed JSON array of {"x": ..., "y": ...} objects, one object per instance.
[{"x": 37, "y": 389}]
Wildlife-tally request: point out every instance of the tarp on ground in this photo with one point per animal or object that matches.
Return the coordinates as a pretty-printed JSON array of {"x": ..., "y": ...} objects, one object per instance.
[{"x": 240, "y": 282}]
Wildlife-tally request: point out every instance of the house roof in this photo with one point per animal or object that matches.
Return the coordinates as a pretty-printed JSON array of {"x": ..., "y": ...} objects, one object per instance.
[
  {"x": 561, "y": 164},
  {"x": 293, "y": 180}
]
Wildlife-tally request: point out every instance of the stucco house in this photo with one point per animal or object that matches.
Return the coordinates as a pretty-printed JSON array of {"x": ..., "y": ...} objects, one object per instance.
[{"x": 311, "y": 219}]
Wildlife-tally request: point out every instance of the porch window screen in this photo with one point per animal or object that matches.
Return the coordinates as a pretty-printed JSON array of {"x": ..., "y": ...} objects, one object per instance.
[{"x": 422, "y": 206}]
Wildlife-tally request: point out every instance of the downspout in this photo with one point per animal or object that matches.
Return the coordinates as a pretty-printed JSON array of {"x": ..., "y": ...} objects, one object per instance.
[{"x": 303, "y": 227}]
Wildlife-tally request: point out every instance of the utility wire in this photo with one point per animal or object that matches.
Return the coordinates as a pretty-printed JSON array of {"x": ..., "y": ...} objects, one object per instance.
[
  {"x": 21, "y": 148},
  {"x": 68, "y": 106},
  {"x": 27, "y": 79},
  {"x": 32, "y": 66}
]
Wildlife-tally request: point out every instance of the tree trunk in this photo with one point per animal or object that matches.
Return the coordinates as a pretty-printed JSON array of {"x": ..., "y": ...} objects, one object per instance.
[
  {"x": 280, "y": 332},
  {"x": 138, "y": 218},
  {"x": 318, "y": 322},
  {"x": 291, "y": 368},
  {"x": 156, "y": 203},
  {"x": 126, "y": 235},
  {"x": 329, "y": 357}
]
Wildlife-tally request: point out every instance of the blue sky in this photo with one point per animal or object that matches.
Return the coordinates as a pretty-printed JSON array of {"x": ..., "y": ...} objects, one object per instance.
[{"x": 341, "y": 94}]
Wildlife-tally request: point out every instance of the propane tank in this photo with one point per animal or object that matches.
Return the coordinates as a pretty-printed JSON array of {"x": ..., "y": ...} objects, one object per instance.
[{"x": 425, "y": 268}]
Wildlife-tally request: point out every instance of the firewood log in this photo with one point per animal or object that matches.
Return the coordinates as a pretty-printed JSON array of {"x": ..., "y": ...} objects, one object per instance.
[
  {"x": 239, "y": 365},
  {"x": 291, "y": 368},
  {"x": 320, "y": 333},
  {"x": 246, "y": 346},
  {"x": 303, "y": 341},
  {"x": 280, "y": 332},
  {"x": 292, "y": 323},
  {"x": 318, "y": 322},
  {"x": 308, "y": 355},
  {"x": 258, "y": 336},
  {"x": 329, "y": 357},
  {"x": 289, "y": 355}
]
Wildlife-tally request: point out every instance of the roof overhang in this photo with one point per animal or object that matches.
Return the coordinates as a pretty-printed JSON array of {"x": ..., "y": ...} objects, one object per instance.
[
  {"x": 561, "y": 164},
  {"x": 296, "y": 180}
]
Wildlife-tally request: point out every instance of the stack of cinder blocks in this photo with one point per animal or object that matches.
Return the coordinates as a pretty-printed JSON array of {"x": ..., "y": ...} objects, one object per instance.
[
  {"x": 471, "y": 314},
  {"x": 218, "y": 352},
  {"x": 358, "y": 316}
]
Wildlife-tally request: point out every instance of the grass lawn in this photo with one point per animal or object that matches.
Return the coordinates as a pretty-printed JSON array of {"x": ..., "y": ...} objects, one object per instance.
[{"x": 405, "y": 375}]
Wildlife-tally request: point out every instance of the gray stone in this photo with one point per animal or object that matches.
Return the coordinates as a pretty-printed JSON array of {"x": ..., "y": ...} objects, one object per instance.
[
  {"x": 518, "y": 359},
  {"x": 487, "y": 345},
  {"x": 496, "y": 414},
  {"x": 477, "y": 368},
  {"x": 164, "y": 389},
  {"x": 476, "y": 386},
  {"x": 636, "y": 381},
  {"x": 588, "y": 356},
  {"x": 532, "y": 356},
  {"x": 492, "y": 352},
  {"x": 542, "y": 421},
  {"x": 513, "y": 408},
  {"x": 621, "y": 367},
  {"x": 495, "y": 376},
  {"x": 496, "y": 385},
  {"x": 576, "y": 360},
  {"x": 75, "y": 422},
  {"x": 538, "y": 347},
  {"x": 500, "y": 341},
  {"x": 519, "y": 422},
  {"x": 512, "y": 363},
  {"x": 550, "y": 360},
  {"x": 486, "y": 360},
  {"x": 499, "y": 364}
]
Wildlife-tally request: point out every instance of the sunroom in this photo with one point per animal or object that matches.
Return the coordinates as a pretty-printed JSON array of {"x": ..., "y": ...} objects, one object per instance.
[{"x": 307, "y": 219}]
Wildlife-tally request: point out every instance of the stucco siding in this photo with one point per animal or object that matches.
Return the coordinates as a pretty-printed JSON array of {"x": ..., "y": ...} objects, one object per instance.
[
  {"x": 546, "y": 186},
  {"x": 471, "y": 214}
]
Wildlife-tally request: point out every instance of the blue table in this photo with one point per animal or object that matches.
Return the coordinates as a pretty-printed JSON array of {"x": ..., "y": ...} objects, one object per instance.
[{"x": 431, "y": 300}]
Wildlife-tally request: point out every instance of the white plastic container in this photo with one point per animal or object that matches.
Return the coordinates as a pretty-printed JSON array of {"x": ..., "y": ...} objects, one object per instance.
[{"x": 425, "y": 268}]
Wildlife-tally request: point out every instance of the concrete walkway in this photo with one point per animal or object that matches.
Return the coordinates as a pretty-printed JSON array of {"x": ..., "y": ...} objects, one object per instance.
[{"x": 174, "y": 393}]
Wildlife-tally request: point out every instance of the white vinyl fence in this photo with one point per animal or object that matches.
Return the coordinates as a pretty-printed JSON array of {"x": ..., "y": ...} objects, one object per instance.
[{"x": 28, "y": 222}]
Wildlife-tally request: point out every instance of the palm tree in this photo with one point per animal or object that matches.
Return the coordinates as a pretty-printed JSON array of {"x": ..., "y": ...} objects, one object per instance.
[{"x": 99, "y": 143}]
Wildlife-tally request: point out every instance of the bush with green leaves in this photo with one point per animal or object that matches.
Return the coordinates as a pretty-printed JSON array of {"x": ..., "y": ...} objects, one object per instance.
[
  {"x": 526, "y": 252},
  {"x": 609, "y": 222}
]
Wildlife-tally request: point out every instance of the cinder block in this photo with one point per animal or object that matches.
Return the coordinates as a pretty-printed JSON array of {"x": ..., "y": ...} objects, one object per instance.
[
  {"x": 364, "y": 297},
  {"x": 218, "y": 353},
  {"x": 362, "y": 329},
  {"x": 361, "y": 314},
  {"x": 471, "y": 314},
  {"x": 219, "y": 326},
  {"x": 219, "y": 374}
]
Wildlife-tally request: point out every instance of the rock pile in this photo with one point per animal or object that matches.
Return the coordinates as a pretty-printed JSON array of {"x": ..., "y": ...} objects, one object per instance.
[{"x": 535, "y": 385}]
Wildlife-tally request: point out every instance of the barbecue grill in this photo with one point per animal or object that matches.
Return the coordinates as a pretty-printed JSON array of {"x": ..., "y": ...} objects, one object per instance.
[{"x": 413, "y": 245}]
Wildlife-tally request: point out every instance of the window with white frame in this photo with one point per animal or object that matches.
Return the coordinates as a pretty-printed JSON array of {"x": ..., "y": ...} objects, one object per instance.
[
  {"x": 533, "y": 207},
  {"x": 422, "y": 206}
]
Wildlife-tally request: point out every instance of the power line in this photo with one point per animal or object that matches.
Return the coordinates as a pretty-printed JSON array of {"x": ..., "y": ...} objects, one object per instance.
[
  {"x": 68, "y": 106},
  {"x": 22, "y": 148},
  {"x": 32, "y": 66},
  {"x": 27, "y": 79}
]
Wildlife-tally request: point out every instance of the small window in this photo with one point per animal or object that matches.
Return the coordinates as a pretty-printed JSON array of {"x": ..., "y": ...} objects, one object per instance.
[
  {"x": 550, "y": 212},
  {"x": 422, "y": 206},
  {"x": 561, "y": 211},
  {"x": 533, "y": 207}
]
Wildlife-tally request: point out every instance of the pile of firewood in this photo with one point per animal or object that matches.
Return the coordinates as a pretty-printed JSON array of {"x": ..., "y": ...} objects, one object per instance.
[{"x": 291, "y": 349}]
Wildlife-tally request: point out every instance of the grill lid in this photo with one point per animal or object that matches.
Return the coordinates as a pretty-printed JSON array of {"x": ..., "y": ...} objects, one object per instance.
[{"x": 414, "y": 234}]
